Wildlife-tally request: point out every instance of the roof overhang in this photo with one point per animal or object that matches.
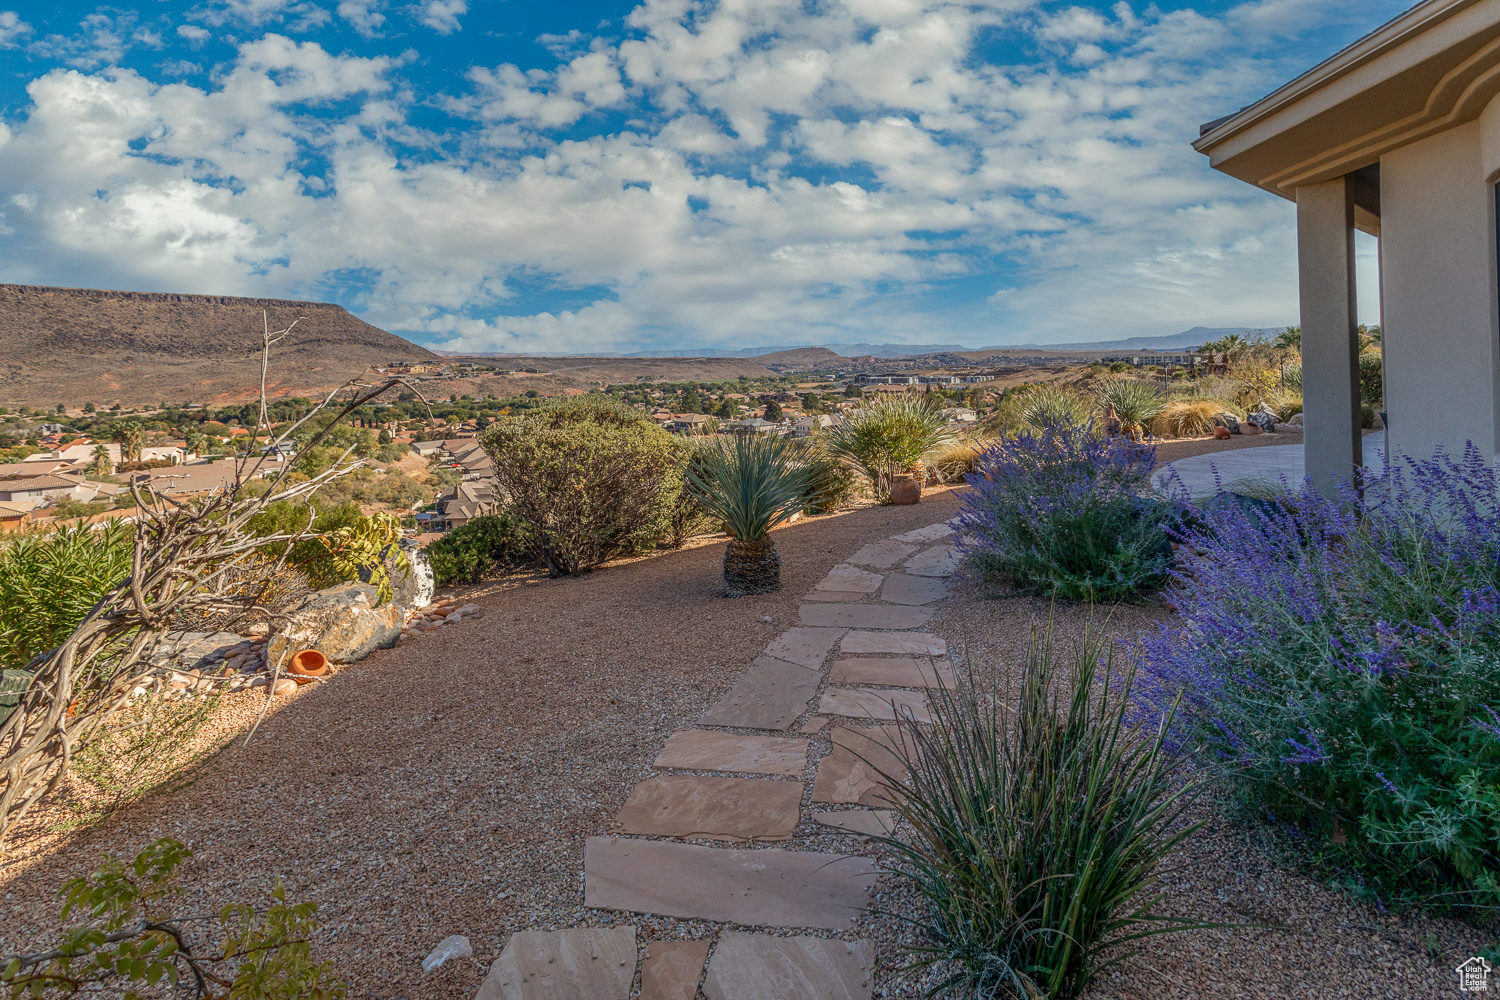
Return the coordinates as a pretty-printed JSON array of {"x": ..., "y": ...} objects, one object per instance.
[{"x": 1432, "y": 68}]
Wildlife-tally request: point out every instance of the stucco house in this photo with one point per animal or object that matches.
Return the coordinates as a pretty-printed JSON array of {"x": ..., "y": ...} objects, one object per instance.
[{"x": 1397, "y": 136}]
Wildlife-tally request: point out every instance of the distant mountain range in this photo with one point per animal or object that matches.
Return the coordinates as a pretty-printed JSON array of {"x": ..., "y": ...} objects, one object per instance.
[{"x": 1177, "y": 341}]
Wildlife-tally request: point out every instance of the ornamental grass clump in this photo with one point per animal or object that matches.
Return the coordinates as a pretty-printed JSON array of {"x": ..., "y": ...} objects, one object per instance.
[
  {"x": 1341, "y": 658},
  {"x": 1135, "y": 403},
  {"x": 1032, "y": 834},
  {"x": 1063, "y": 511},
  {"x": 752, "y": 483}
]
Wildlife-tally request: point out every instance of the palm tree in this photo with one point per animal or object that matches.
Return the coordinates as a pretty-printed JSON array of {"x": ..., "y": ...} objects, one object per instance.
[
  {"x": 129, "y": 436},
  {"x": 1289, "y": 339},
  {"x": 752, "y": 482},
  {"x": 100, "y": 464}
]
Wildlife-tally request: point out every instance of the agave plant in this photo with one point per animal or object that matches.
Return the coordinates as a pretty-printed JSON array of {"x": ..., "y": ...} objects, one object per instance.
[
  {"x": 887, "y": 438},
  {"x": 752, "y": 483},
  {"x": 1135, "y": 403}
]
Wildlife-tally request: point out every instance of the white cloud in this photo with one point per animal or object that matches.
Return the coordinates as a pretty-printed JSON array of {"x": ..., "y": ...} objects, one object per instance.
[
  {"x": 442, "y": 15},
  {"x": 12, "y": 29},
  {"x": 784, "y": 173},
  {"x": 296, "y": 15},
  {"x": 363, "y": 15},
  {"x": 193, "y": 34}
]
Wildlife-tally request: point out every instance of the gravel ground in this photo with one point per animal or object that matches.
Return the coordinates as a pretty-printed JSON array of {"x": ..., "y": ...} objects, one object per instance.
[{"x": 446, "y": 786}]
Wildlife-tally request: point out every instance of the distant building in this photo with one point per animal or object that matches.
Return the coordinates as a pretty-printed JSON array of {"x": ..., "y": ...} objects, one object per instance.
[
  {"x": 427, "y": 448},
  {"x": 49, "y": 488},
  {"x": 938, "y": 379},
  {"x": 687, "y": 423}
]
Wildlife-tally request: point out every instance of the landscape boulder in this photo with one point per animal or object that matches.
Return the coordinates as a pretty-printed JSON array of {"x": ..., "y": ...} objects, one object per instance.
[
  {"x": 343, "y": 623},
  {"x": 185, "y": 651},
  {"x": 1264, "y": 419},
  {"x": 1295, "y": 420},
  {"x": 411, "y": 590},
  {"x": 1228, "y": 421}
]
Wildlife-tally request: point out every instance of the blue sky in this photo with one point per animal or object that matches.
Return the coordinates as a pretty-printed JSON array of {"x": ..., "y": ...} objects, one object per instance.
[{"x": 520, "y": 175}]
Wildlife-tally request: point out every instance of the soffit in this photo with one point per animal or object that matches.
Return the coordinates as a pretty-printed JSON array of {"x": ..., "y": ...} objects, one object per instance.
[{"x": 1434, "y": 67}]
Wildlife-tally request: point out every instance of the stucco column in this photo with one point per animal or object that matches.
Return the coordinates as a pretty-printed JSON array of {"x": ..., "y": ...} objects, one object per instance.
[{"x": 1330, "y": 340}]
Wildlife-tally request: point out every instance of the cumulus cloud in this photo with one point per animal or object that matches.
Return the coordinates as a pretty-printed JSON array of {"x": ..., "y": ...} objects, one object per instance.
[
  {"x": 442, "y": 15},
  {"x": 363, "y": 15},
  {"x": 725, "y": 173},
  {"x": 12, "y": 29}
]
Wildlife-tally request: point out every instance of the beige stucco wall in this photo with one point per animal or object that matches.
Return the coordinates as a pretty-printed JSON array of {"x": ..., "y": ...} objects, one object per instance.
[{"x": 1438, "y": 286}]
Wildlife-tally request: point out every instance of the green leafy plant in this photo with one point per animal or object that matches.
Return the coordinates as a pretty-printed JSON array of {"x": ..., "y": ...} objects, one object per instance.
[
  {"x": 887, "y": 437},
  {"x": 1051, "y": 404},
  {"x": 51, "y": 579},
  {"x": 588, "y": 478},
  {"x": 1135, "y": 403},
  {"x": 132, "y": 941},
  {"x": 1035, "y": 831},
  {"x": 472, "y": 551}
]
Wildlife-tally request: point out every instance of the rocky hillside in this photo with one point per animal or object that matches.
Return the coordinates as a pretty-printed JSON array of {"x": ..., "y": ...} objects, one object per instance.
[{"x": 80, "y": 345}]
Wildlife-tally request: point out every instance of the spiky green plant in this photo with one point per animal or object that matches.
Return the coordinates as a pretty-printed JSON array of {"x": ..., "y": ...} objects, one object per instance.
[
  {"x": 888, "y": 437},
  {"x": 1135, "y": 403},
  {"x": 752, "y": 483},
  {"x": 1032, "y": 833},
  {"x": 1053, "y": 404}
]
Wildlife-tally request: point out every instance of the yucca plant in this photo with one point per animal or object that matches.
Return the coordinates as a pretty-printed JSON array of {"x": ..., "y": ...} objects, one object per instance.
[
  {"x": 1032, "y": 834},
  {"x": 886, "y": 438},
  {"x": 1053, "y": 404},
  {"x": 1135, "y": 403},
  {"x": 752, "y": 483}
]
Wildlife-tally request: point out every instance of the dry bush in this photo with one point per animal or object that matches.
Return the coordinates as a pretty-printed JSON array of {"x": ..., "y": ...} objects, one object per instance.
[
  {"x": 1187, "y": 418},
  {"x": 951, "y": 462}
]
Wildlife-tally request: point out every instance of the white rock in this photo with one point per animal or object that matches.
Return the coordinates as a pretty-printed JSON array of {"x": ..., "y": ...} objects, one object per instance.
[
  {"x": 455, "y": 618},
  {"x": 260, "y": 681},
  {"x": 455, "y": 946},
  {"x": 284, "y": 686},
  {"x": 469, "y": 609}
]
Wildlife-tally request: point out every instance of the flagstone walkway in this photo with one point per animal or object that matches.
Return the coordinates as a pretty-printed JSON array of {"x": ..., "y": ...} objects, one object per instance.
[{"x": 739, "y": 780}]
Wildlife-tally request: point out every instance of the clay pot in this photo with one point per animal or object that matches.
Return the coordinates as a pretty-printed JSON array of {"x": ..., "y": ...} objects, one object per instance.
[
  {"x": 1221, "y": 433},
  {"x": 906, "y": 489},
  {"x": 307, "y": 665}
]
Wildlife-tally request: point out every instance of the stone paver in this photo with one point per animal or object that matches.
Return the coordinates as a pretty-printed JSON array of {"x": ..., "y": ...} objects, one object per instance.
[
  {"x": 850, "y": 578},
  {"x": 688, "y": 806},
  {"x": 593, "y": 962},
  {"x": 870, "y": 822},
  {"x": 900, "y": 643},
  {"x": 851, "y": 773},
  {"x": 830, "y": 595},
  {"x": 891, "y": 672},
  {"x": 863, "y": 615},
  {"x": 882, "y": 554},
  {"x": 902, "y": 589},
  {"x": 882, "y": 705},
  {"x": 671, "y": 969},
  {"x": 762, "y": 967},
  {"x": 705, "y": 750},
  {"x": 940, "y": 560},
  {"x": 804, "y": 646},
  {"x": 770, "y": 695},
  {"x": 931, "y": 533},
  {"x": 767, "y": 887}
]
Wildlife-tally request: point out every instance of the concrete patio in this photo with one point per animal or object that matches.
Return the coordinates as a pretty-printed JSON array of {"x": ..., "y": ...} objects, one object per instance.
[{"x": 1204, "y": 475}]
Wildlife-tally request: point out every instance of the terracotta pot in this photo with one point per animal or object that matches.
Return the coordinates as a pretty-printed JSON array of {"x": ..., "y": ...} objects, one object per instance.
[
  {"x": 906, "y": 489},
  {"x": 307, "y": 665}
]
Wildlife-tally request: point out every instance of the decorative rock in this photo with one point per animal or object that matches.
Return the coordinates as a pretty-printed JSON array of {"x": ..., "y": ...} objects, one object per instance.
[
  {"x": 940, "y": 560},
  {"x": 414, "y": 589},
  {"x": 760, "y": 966},
  {"x": 866, "y": 703},
  {"x": 851, "y": 579},
  {"x": 593, "y": 962},
  {"x": 284, "y": 686},
  {"x": 903, "y": 589},
  {"x": 805, "y": 646},
  {"x": 851, "y": 774},
  {"x": 671, "y": 969},
  {"x": 703, "y": 750},
  {"x": 902, "y": 643},
  {"x": 740, "y": 809},
  {"x": 882, "y": 554},
  {"x": 196, "y": 651},
  {"x": 454, "y": 946},
  {"x": 1295, "y": 420},
  {"x": 767, "y": 887},
  {"x": 863, "y": 615},
  {"x": 1288, "y": 428},
  {"x": 770, "y": 695},
  {"x": 866, "y": 822},
  {"x": 1228, "y": 421},
  {"x": 897, "y": 672},
  {"x": 343, "y": 623},
  {"x": 931, "y": 533},
  {"x": 1262, "y": 418}
]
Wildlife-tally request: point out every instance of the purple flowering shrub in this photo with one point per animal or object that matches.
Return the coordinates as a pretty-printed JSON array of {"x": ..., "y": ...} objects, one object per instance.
[
  {"x": 1063, "y": 511},
  {"x": 1343, "y": 657}
]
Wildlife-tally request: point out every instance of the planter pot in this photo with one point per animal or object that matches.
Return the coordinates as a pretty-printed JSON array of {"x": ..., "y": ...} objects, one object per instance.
[
  {"x": 751, "y": 567},
  {"x": 906, "y": 489},
  {"x": 307, "y": 665}
]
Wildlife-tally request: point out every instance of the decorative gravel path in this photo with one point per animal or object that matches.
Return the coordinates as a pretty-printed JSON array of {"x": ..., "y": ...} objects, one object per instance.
[{"x": 856, "y": 660}]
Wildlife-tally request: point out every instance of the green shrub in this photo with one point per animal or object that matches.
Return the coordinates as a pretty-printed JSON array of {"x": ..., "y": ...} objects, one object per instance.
[
  {"x": 50, "y": 580},
  {"x": 472, "y": 551},
  {"x": 588, "y": 479},
  {"x": 1371, "y": 379},
  {"x": 887, "y": 437},
  {"x": 1035, "y": 832},
  {"x": 831, "y": 484}
]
